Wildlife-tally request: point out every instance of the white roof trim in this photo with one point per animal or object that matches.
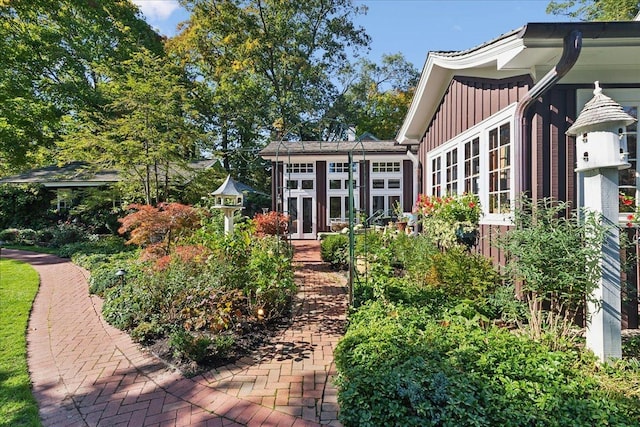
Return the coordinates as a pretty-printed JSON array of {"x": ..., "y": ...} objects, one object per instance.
[{"x": 438, "y": 71}]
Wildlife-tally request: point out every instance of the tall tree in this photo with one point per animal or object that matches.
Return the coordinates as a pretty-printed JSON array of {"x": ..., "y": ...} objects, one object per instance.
[
  {"x": 267, "y": 64},
  {"x": 146, "y": 130},
  {"x": 51, "y": 54},
  {"x": 375, "y": 97},
  {"x": 595, "y": 10}
]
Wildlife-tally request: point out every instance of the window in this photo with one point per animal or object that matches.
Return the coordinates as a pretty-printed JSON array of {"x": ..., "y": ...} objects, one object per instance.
[
  {"x": 378, "y": 183},
  {"x": 299, "y": 168},
  {"x": 499, "y": 169},
  {"x": 292, "y": 184},
  {"x": 628, "y": 177},
  {"x": 307, "y": 184},
  {"x": 341, "y": 167},
  {"x": 472, "y": 166},
  {"x": 393, "y": 183},
  {"x": 335, "y": 208},
  {"x": 477, "y": 161},
  {"x": 385, "y": 167},
  {"x": 346, "y": 184},
  {"x": 335, "y": 184},
  {"x": 451, "y": 171},
  {"x": 435, "y": 176}
]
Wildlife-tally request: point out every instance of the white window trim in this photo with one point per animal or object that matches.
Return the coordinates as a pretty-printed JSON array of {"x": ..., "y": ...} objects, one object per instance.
[
  {"x": 386, "y": 176},
  {"x": 481, "y": 131}
]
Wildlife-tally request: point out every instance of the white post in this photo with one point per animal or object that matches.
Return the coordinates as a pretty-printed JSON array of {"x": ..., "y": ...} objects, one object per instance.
[
  {"x": 604, "y": 316},
  {"x": 228, "y": 221}
]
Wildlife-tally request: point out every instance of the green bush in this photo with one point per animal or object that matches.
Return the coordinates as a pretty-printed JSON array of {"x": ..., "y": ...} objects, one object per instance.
[
  {"x": 401, "y": 366},
  {"x": 334, "y": 249},
  {"x": 190, "y": 346},
  {"x": 97, "y": 245},
  {"x": 10, "y": 235}
]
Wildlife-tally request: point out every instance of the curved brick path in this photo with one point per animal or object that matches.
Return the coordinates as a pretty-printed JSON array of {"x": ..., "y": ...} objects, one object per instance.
[{"x": 87, "y": 373}]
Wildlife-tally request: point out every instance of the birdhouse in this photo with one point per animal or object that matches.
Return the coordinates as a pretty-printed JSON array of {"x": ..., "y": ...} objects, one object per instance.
[
  {"x": 228, "y": 198},
  {"x": 228, "y": 195},
  {"x": 599, "y": 131}
]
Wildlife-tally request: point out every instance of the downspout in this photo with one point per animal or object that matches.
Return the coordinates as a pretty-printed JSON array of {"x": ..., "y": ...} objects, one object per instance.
[
  {"x": 572, "y": 46},
  {"x": 416, "y": 164}
]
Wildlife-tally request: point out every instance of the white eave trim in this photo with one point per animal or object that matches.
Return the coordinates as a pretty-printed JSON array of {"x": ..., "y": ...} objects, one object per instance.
[{"x": 437, "y": 73}]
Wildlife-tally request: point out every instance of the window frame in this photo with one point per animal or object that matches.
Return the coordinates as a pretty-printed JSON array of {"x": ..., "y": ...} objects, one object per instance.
[{"x": 480, "y": 131}]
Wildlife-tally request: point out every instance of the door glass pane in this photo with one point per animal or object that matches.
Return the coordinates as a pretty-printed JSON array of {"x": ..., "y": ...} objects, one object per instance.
[
  {"x": 307, "y": 215},
  {"x": 335, "y": 208},
  {"x": 378, "y": 203},
  {"x": 292, "y": 209}
]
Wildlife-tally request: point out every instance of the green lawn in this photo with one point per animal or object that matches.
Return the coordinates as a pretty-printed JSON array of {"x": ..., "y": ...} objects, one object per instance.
[{"x": 18, "y": 287}]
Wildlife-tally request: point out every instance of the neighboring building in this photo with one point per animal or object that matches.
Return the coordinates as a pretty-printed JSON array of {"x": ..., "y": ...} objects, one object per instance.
[
  {"x": 310, "y": 181},
  {"x": 78, "y": 175},
  {"x": 492, "y": 119}
]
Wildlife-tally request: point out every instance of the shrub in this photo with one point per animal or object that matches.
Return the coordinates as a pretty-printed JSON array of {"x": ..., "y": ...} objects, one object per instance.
[
  {"x": 555, "y": 291},
  {"x": 190, "y": 346},
  {"x": 160, "y": 227},
  {"x": 462, "y": 275},
  {"x": 65, "y": 233},
  {"x": 400, "y": 366},
  {"x": 10, "y": 235},
  {"x": 334, "y": 249},
  {"x": 271, "y": 223},
  {"x": 271, "y": 284}
]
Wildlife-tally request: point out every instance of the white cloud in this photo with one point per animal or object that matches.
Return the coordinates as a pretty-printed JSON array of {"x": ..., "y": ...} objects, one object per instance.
[{"x": 157, "y": 10}]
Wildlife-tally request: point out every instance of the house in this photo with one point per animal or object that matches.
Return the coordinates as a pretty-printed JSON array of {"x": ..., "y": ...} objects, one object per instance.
[
  {"x": 491, "y": 120},
  {"x": 79, "y": 175},
  {"x": 310, "y": 181}
]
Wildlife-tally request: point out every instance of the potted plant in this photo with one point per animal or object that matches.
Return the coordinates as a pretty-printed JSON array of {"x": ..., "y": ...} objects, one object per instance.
[
  {"x": 401, "y": 220},
  {"x": 450, "y": 219}
]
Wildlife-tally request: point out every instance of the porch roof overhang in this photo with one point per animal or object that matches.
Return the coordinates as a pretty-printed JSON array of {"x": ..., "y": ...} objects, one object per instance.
[
  {"x": 533, "y": 50},
  {"x": 80, "y": 175},
  {"x": 283, "y": 149}
]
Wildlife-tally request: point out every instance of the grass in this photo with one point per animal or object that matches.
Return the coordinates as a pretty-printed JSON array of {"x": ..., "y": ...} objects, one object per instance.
[{"x": 18, "y": 287}]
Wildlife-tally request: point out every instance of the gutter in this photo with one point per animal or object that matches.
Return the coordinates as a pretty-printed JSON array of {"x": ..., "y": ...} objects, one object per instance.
[{"x": 572, "y": 45}]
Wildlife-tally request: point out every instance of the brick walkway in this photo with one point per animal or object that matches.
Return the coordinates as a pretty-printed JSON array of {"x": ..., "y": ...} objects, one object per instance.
[{"x": 87, "y": 373}]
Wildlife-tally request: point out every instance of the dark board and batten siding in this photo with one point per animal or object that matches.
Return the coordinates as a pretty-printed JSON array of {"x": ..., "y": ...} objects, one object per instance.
[
  {"x": 467, "y": 102},
  {"x": 321, "y": 196}
]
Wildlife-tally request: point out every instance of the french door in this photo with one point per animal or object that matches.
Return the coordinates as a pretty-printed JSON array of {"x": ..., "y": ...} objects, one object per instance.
[{"x": 301, "y": 211}]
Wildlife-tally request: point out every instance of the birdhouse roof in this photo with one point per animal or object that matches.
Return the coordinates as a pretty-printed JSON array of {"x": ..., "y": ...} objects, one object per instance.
[
  {"x": 228, "y": 188},
  {"x": 600, "y": 109}
]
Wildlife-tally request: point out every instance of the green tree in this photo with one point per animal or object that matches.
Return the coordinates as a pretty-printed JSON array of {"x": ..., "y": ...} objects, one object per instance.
[
  {"x": 267, "y": 67},
  {"x": 595, "y": 10},
  {"x": 146, "y": 131},
  {"x": 376, "y": 97},
  {"x": 52, "y": 51}
]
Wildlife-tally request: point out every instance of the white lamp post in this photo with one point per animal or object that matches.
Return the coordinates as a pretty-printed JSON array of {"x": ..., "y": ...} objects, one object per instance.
[
  {"x": 228, "y": 198},
  {"x": 599, "y": 156}
]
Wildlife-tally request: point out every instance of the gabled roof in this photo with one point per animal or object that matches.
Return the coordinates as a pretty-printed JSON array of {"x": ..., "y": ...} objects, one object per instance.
[
  {"x": 79, "y": 174},
  {"x": 285, "y": 148},
  {"x": 533, "y": 50}
]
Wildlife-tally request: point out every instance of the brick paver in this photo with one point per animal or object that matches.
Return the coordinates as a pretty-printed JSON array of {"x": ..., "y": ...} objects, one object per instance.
[{"x": 87, "y": 373}]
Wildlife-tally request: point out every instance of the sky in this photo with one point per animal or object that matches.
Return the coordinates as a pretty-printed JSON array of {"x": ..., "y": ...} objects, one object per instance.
[{"x": 411, "y": 27}]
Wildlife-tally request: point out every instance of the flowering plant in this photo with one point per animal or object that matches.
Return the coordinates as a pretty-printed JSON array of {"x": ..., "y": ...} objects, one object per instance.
[
  {"x": 627, "y": 203},
  {"x": 453, "y": 209},
  {"x": 450, "y": 219}
]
